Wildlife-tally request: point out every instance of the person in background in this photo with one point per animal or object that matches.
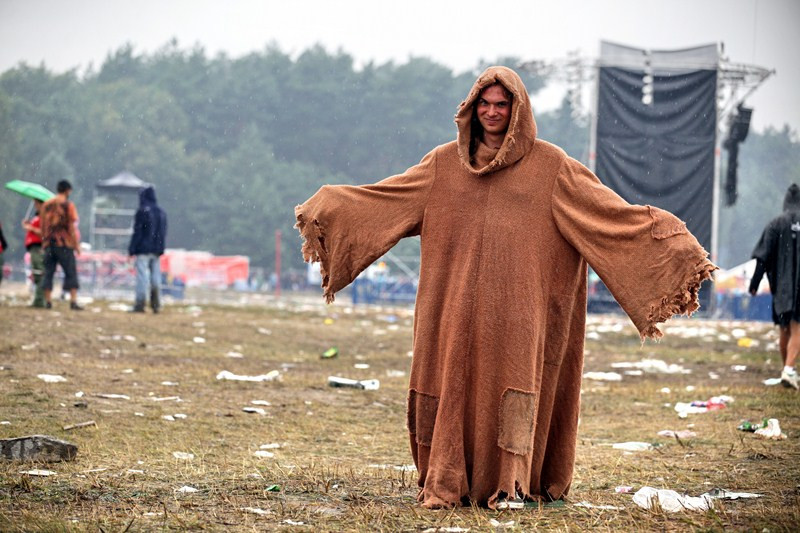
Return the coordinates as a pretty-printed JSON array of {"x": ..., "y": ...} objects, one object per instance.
[
  {"x": 778, "y": 254},
  {"x": 3, "y": 246},
  {"x": 60, "y": 244},
  {"x": 33, "y": 244},
  {"x": 147, "y": 247}
]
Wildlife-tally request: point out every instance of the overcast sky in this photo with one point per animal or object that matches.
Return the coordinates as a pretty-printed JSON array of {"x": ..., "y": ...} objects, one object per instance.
[{"x": 75, "y": 33}]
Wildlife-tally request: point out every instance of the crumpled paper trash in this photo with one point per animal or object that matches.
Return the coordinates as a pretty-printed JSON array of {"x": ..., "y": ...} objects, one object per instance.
[
  {"x": 671, "y": 501},
  {"x": 230, "y": 376}
]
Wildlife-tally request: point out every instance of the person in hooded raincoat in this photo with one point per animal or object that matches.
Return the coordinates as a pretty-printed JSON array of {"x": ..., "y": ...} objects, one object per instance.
[
  {"x": 778, "y": 254},
  {"x": 147, "y": 246},
  {"x": 508, "y": 223}
]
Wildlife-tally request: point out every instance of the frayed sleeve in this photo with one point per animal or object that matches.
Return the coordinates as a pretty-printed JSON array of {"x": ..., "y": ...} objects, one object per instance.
[
  {"x": 346, "y": 228},
  {"x": 646, "y": 257}
]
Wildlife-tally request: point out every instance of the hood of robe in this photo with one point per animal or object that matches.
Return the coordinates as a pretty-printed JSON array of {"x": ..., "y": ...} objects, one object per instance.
[
  {"x": 147, "y": 196},
  {"x": 791, "y": 202},
  {"x": 521, "y": 132}
]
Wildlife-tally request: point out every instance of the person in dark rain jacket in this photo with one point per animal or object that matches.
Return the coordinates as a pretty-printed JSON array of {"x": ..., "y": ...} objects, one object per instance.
[
  {"x": 146, "y": 247},
  {"x": 778, "y": 254}
]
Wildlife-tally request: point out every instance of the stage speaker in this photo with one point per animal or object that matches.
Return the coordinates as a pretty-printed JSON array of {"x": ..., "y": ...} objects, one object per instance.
[{"x": 741, "y": 124}]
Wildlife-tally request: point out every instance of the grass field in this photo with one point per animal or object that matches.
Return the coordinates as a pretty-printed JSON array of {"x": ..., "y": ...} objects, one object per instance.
[{"x": 340, "y": 456}]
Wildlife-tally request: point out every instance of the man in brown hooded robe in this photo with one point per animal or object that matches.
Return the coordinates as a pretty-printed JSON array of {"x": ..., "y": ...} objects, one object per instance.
[{"x": 507, "y": 229}]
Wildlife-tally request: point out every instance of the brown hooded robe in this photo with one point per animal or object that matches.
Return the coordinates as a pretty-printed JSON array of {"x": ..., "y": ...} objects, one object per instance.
[{"x": 494, "y": 392}]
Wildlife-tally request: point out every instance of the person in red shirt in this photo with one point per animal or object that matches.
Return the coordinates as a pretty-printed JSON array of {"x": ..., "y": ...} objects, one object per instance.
[
  {"x": 33, "y": 243},
  {"x": 59, "y": 243}
]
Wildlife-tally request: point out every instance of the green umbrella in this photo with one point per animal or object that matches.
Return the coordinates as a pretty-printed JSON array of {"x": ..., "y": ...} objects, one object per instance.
[{"x": 30, "y": 190}]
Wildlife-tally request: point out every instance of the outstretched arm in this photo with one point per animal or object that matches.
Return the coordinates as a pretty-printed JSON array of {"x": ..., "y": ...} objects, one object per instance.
[
  {"x": 346, "y": 228},
  {"x": 646, "y": 257}
]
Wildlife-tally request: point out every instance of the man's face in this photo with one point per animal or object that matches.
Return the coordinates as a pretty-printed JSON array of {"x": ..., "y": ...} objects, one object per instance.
[{"x": 494, "y": 110}]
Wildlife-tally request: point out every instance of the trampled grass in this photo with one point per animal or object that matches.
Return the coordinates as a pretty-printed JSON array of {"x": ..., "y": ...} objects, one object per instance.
[{"x": 341, "y": 456}]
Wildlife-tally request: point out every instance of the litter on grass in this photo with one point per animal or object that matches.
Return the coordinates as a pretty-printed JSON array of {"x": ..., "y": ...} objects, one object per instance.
[
  {"x": 234, "y": 355},
  {"x": 38, "y": 473},
  {"x": 697, "y": 407},
  {"x": 722, "y": 494},
  {"x": 185, "y": 456},
  {"x": 772, "y": 431},
  {"x": 653, "y": 366},
  {"x": 270, "y": 446},
  {"x": 769, "y": 382},
  {"x": 633, "y": 446},
  {"x": 113, "y": 396},
  {"x": 330, "y": 353},
  {"x": 404, "y": 468},
  {"x": 588, "y": 505},
  {"x": 254, "y": 410},
  {"x": 51, "y": 378},
  {"x": 497, "y": 523},
  {"x": 746, "y": 425},
  {"x": 198, "y": 340},
  {"x": 256, "y": 510},
  {"x": 623, "y": 489},
  {"x": 230, "y": 376},
  {"x": 670, "y": 501},
  {"x": 364, "y": 384},
  {"x": 682, "y": 434},
  {"x": 186, "y": 489},
  {"x": 603, "y": 376},
  {"x": 261, "y": 402},
  {"x": 167, "y": 399},
  {"x": 80, "y": 425}
]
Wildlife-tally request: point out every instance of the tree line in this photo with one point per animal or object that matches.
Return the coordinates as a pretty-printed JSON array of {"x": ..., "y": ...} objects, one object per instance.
[{"x": 233, "y": 144}]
